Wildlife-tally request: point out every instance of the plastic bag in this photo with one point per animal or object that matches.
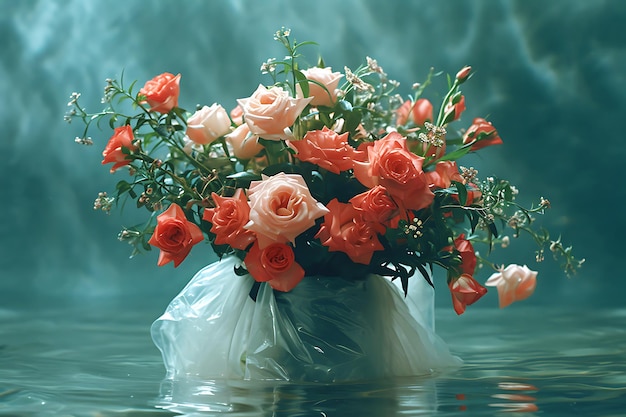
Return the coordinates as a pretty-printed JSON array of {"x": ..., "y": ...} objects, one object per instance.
[{"x": 327, "y": 329}]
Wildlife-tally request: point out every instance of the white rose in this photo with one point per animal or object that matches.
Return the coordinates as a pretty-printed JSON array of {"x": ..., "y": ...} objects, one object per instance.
[{"x": 208, "y": 124}]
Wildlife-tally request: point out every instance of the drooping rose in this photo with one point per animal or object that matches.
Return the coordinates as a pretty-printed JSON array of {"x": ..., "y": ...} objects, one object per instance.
[
  {"x": 481, "y": 133},
  {"x": 275, "y": 264},
  {"x": 208, "y": 124},
  {"x": 174, "y": 235},
  {"x": 390, "y": 164},
  {"x": 453, "y": 110},
  {"x": 345, "y": 230},
  {"x": 162, "y": 92},
  {"x": 376, "y": 205},
  {"x": 468, "y": 255},
  {"x": 445, "y": 172},
  {"x": 514, "y": 283},
  {"x": 122, "y": 138},
  {"x": 326, "y": 149},
  {"x": 281, "y": 207},
  {"x": 465, "y": 291},
  {"x": 242, "y": 143},
  {"x": 228, "y": 217},
  {"x": 269, "y": 111},
  {"x": 326, "y": 77}
]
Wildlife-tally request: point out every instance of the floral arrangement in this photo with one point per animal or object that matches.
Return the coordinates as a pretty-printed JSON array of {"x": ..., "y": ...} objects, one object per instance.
[{"x": 317, "y": 173}]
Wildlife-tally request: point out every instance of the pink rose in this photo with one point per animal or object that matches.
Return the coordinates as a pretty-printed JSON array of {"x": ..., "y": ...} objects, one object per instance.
[
  {"x": 345, "y": 230},
  {"x": 208, "y": 124},
  {"x": 174, "y": 235},
  {"x": 481, "y": 133},
  {"x": 114, "y": 151},
  {"x": 162, "y": 92},
  {"x": 243, "y": 145},
  {"x": 376, "y": 205},
  {"x": 275, "y": 264},
  {"x": 330, "y": 80},
  {"x": 325, "y": 148},
  {"x": 390, "y": 164},
  {"x": 269, "y": 112},
  {"x": 514, "y": 283},
  {"x": 465, "y": 291},
  {"x": 281, "y": 207},
  {"x": 228, "y": 218}
]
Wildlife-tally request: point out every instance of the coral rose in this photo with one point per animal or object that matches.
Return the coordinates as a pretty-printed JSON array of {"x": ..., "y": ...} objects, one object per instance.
[
  {"x": 281, "y": 207},
  {"x": 453, "y": 110},
  {"x": 174, "y": 235},
  {"x": 390, "y": 164},
  {"x": 208, "y": 124},
  {"x": 242, "y": 144},
  {"x": 445, "y": 172},
  {"x": 161, "y": 92},
  {"x": 481, "y": 133},
  {"x": 421, "y": 112},
  {"x": 322, "y": 96},
  {"x": 468, "y": 256},
  {"x": 375, "y": 205},
  {"x": 121, "y": 140},
  {"x": 228, "y": 218},
  {"x": 465, "y": 291},
  {"x": 326, "y": 149},
  {"x": 269, "y": 112},
  {"x": 275, "y": 264},
  {"x": 345, "y": 230},
  {"x": 514, "y": 283}
]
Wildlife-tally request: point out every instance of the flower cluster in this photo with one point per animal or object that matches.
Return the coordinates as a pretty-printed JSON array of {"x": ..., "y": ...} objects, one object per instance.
[{"x": 318, "y": 173}]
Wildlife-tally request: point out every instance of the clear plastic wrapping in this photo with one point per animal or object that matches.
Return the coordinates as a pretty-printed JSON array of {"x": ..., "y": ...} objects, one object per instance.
[{"x": 327, "y": 329}]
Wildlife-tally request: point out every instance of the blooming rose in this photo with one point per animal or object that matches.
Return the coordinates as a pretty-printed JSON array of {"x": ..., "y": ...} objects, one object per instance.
[
  {"x": 465, "y": 291},
  {"x": 453, "y": 110},
  {"x": 275, "y": 264},
  {"x": 325, "y": 148},
  {"x": 114, "y": 151},
  {"x": 445, "y": 172},
  {"x": 326, "y": 77},
  {"x": 268, "y": 112},
  {"x": 281, "y": 207},
  {"x": 174, "y": 235},
  {"x": 376, "y": 205},
  {"x": 208, "y": 124},
  {"x": 242, "y": 144},
  {"x": 228, "y": 218},
  {"x": 481, "y": 133},
  {"x": 514, "y": 283},
  {"x": 345, "y": 230},
  {"x": 162, "y": 92},
  {"x": 390, "y": 164}
]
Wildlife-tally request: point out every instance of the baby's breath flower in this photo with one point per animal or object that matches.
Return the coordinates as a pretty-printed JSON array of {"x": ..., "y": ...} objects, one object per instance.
[
  {"x": 357, "y": 82},
  {"x": 103, "y": 202},
  {"x": 83, "y": 141},
  {"x": 73, "y": 99},
  {"x": 268, "y": 66},
  {"x": 469, "y": 174}
]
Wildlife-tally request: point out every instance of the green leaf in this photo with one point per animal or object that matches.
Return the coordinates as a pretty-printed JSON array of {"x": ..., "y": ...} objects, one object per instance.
[
  {"x": 302, "y": 81},
  {"x": 462, "y": 191}
]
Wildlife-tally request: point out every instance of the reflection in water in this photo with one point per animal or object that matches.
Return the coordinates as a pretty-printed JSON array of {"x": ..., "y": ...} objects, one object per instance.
[
  {"x": 253, "y": 398},
  {"x": 518, "y": 402}
]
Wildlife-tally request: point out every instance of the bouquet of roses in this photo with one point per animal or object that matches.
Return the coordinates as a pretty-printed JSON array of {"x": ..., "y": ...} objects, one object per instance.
[{"x": 319, "y": 173}]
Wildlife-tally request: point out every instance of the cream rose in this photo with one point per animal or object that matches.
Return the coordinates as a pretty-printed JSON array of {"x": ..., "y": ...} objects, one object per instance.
[
  {"x": 270, "y": 111},
  {"x": 281, "y": 207},
  {"x": 242, "y": 144},
  {"x": 326, "y": 77},
  {"x": 208, "y": 124}
]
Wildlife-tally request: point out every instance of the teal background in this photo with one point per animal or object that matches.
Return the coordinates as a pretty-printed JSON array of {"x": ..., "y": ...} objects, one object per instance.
[{"x": 549, "y": 75}]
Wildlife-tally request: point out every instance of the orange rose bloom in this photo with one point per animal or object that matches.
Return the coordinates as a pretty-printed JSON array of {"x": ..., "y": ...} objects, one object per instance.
[
  {"x": 375, "y": 205},
  {"x": 481, "y": 133},
  {"x": 326, "y": 149},
  {"x": 162, "y": 92},
  {"x": 228, "y": 218},
  {"x": 514, "y": 283},
  {"x": 345, "y": 230},
  {"x": 174, "y": 235},
  {"x": 275, "y": 264},
  {"x": 465, "y": 291},
  {"x": 421, "y": 112},
  {"x": 114, "y": 151},
  {"x": 391, "y": 164},
  {"x": 445, "y": 172}
]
